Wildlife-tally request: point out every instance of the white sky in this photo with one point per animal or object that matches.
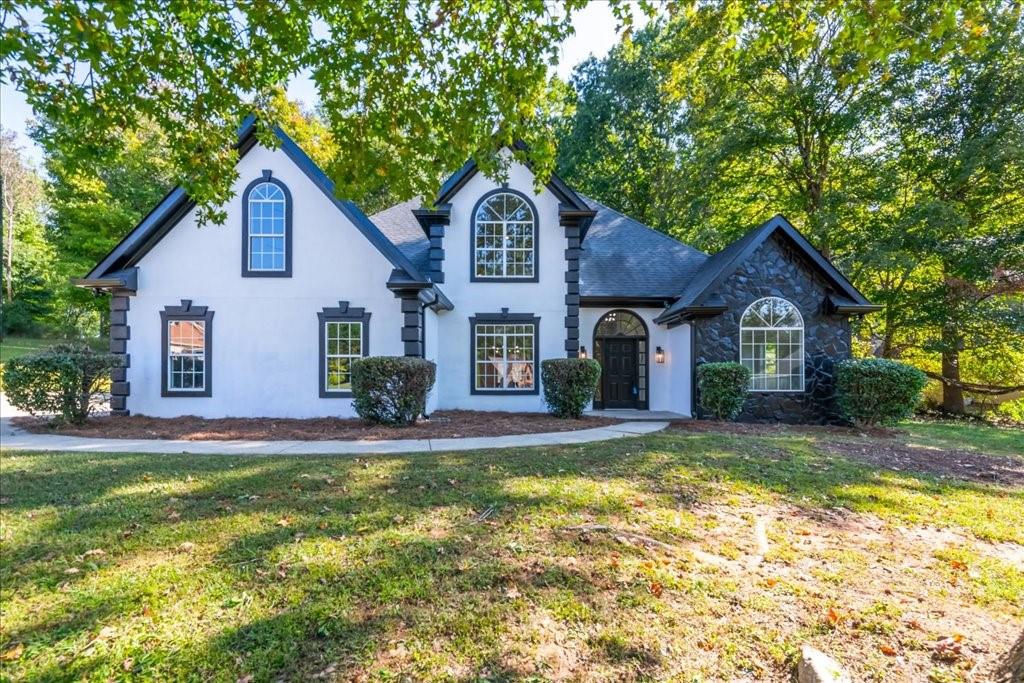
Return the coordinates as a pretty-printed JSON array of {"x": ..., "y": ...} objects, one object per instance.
[{"x": 595, "y": 34}]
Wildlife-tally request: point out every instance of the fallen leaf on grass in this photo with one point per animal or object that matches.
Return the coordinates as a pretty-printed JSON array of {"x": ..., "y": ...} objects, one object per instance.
[
  {"x": 958, "y": 565},
  {"x": 128, "y": 664},
  {"x": 186, "y": 547},
  {"x": 949, "y": 649},
  {"x": 283, "y": 522},
  {"x": 512, "y": 593},
  {"x": 95, "y": 552},
  {"x": 12, "y": 653},
  {"x": 833, "y": 616},
  {"x": 887, "y": 650},
  {"x": 72, "y": 570},
  {"x": 656, "y": 589}
]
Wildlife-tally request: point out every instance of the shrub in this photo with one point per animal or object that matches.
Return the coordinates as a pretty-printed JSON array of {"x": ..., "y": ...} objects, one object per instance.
[
  {"x": 66, "y": 379},
  {"x": 878, "y": 391},
  {"x": 569, "y": 384},
  {"x": 722, "y": 388},
  {"x": 391, "y": 390}
]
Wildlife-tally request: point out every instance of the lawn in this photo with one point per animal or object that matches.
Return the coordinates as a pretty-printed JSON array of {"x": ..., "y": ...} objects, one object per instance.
[
  {"x": 682, "y": 555},
  {"x": 13, "y": 347}
]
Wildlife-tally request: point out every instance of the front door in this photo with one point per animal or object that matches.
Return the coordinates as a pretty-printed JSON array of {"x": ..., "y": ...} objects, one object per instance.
[{"x": 618, "y": 373}]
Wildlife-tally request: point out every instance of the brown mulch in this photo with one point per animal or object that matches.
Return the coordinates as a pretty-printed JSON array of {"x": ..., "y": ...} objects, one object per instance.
[
  {"x": 967, "y": 465},
  {"x": 441, "y": 425},
  {"x": 762, "y": 429}
]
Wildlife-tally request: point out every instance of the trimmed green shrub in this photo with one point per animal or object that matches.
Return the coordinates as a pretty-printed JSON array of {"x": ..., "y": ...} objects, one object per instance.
[
  {"x": 66, "y": 379},
  {"x": 722, "y": 389},
  {"x": 878, "y": 391},
  {"x": 569, "y": 384},
  {"x": 391, "y": 390}
]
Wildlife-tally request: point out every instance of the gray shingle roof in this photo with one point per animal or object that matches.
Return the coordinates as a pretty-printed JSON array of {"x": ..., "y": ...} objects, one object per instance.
[
  {"x": 400, "y": 226},
  {"x": 625, "y": 258},
  {"x": 621, "y": 257}
]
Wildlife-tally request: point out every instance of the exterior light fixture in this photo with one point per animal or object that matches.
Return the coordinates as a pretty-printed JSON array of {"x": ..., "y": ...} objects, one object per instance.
[
  {"x": 583, "y": 351},
  {"x": 659, "y": 355}
]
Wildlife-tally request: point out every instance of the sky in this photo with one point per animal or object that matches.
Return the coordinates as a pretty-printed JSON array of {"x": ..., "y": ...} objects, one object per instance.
[{"x": 595, "y": 34}]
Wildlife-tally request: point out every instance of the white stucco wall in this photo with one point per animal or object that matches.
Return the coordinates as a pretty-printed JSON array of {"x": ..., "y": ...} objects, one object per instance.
[
  {"x": 669, "y": 382},
  {"x": 265, "y": 358},
  {"x": 545, "y": 298}
]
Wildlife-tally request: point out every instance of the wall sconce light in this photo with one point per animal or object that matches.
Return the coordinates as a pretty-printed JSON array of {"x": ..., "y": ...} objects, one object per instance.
[
  {"x": 583, "y": 351},
  {"x": 659, "y": 355}
]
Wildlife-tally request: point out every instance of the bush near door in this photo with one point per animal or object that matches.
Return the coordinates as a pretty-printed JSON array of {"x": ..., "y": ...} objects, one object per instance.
[{"x": 569, "y": 384}]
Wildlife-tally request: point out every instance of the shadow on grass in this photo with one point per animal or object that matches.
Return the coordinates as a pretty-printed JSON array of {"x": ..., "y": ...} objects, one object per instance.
[{"x": 341, "y": 555}]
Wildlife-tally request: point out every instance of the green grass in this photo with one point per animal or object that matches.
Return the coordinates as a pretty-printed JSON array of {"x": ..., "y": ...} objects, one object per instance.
[
  {"x": 190, "y": 567},
  {"x": 968, "y": 436},
  {"x": 14, "y": 347}
]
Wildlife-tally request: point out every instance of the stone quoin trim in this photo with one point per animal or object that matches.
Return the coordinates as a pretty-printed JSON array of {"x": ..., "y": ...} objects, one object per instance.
[
  {"x": 342, "y": 313},
  {"x": 186, "y": 311},
  {"x": 433, "y": 223},
  {"x": 504, "y": 318},
  {"x": 413, "y": 327},
  {"x": 572, "y": 289},
  {"x": 246, "y": 270},
  {"x": 120, "y": 333}
]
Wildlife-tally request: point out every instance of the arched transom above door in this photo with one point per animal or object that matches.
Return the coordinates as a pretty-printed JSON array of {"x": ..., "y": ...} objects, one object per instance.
[{"x": 621, "y": 347}]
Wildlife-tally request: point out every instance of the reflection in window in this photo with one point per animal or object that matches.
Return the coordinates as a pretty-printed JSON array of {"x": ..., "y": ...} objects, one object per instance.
[
  {"x": 505, "y": 356},
  {"x": 266, "y": 229},
  {"x": 504, "y": 227},
  {"x": 772, "y": 345},
  {"x": 186, "y": 355},
  {"x": 343, "y": 344}
]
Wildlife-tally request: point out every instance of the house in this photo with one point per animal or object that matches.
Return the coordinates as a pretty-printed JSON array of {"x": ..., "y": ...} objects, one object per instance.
[{"x": 263, "y": 316}]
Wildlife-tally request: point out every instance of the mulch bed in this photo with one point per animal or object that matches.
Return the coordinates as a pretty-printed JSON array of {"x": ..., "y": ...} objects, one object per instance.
[
  {"x": 441, "y": 425},
  {"x": 760, "y": 429}
]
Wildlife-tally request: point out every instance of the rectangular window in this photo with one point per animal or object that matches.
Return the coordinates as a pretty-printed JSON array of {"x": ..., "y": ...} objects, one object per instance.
[
  {"x": 343, "y": 342},
  {"x": 774, "y": 358},
  {"x": 505, "y": 357},
  {"x": 186, "y": 346},
  {"x": 186, "y": 355}
]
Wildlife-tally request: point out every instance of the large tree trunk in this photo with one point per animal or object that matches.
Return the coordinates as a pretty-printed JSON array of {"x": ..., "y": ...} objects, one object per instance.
[{"x": 952, "y": 395}]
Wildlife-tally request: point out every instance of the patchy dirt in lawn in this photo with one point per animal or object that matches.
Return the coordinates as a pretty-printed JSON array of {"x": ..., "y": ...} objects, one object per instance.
[
  {"x": 881, "y": 447},
  {"x": 958, "y": 464},
  {"x": 775, "y": 429},
  {"x": 441, "y": 425}
]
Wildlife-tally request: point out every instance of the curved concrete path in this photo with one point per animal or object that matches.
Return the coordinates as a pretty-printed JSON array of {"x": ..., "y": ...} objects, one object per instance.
[{"x": 15, "y": 439}]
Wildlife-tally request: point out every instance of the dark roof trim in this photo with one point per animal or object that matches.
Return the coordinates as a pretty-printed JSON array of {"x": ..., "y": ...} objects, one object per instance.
[
  {"x": 457, "y": 180},
  {"x": 127, "y": 279},
  {"x": 841, "y": 304},
  {"x": 752, "y": 240},
  {"x": 625, "y": 301},
  {"x": 176, "y": 204},
  {"x": 426, "y": 291}
]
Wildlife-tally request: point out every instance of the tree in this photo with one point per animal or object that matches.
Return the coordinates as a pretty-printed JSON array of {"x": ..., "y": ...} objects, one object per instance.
[
  {"x": 958, "y": 140},
  {"x": 26, "y": 252},
  {"x": 619, "y": 142},
  {"x": 409, "y": 90}
]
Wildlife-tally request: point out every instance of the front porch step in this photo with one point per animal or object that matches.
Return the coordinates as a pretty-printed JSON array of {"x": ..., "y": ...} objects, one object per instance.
[{"x": 634, "y": 414}]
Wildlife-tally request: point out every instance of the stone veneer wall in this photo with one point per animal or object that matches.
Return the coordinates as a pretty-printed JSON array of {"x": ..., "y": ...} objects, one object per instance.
[
  {"x": 776, "y": 269},
  {"x": 120, "y": 333}
]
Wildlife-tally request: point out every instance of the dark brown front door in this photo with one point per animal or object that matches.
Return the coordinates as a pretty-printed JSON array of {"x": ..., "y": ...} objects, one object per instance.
[{"x": 619, "y": 373}]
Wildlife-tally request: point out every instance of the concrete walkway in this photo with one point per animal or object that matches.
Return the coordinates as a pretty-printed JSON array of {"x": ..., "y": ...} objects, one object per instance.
[{"x": 15, "y": 439}]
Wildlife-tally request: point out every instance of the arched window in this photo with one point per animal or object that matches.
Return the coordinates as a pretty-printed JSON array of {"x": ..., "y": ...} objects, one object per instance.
[
  {"x": 772, "y": 345},
  {"x": 504, "y": 238},
  {"x": 266, "y": 231}
]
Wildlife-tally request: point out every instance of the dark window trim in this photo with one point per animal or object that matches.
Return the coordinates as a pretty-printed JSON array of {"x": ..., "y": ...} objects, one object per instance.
[
  {"x": 510, "y": 319},
  {"x": 473, "y": 277},
  {"x": 186, "y": 311},
  {"x": 246, "y": 271},
  {"x": 342, "y": 313},
  {"x": 641, "y": 405}
]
